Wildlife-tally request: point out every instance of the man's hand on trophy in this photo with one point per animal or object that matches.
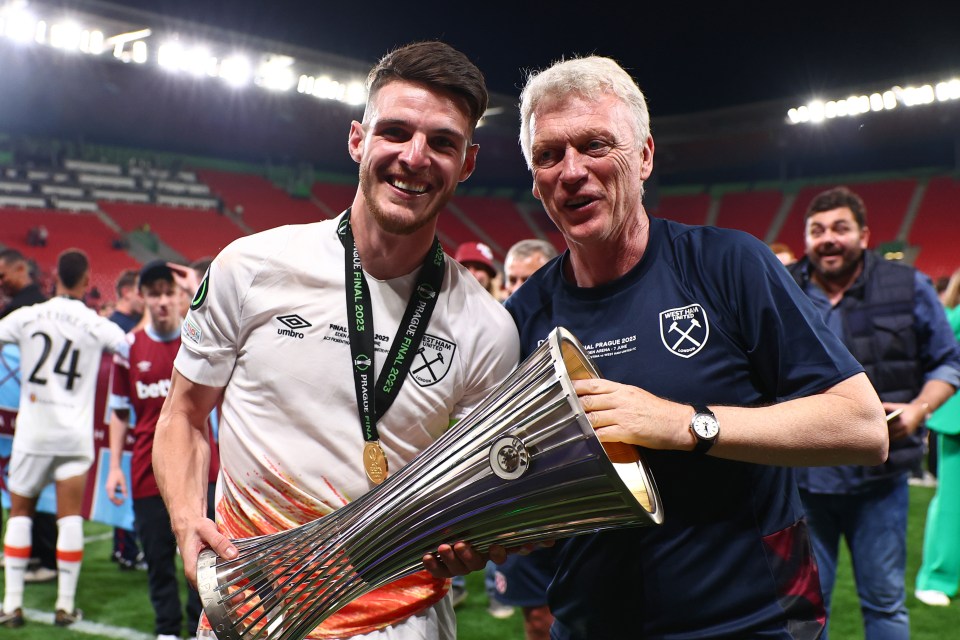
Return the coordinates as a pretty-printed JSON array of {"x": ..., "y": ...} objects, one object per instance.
[
  {"x": 622, "y": 413},
  {"x": 200, "y": 534},
  {"x": 461, "y": 558}
]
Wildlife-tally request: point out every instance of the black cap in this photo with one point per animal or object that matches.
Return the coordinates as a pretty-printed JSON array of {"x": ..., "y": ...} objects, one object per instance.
[{"x": 153, "y": 271}]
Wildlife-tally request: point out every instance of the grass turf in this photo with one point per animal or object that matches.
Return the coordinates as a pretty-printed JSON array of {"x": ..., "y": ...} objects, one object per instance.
[{"x": 119, "y": 598}]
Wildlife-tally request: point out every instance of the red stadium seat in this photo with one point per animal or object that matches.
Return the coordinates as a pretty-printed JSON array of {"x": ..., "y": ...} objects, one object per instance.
[{"x": 935, "y": 228}]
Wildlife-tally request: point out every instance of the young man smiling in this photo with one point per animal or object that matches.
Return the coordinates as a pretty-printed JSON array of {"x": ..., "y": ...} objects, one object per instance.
[
  {"x": 285, "y": 325},
  {"x": 141, "y": 382}
]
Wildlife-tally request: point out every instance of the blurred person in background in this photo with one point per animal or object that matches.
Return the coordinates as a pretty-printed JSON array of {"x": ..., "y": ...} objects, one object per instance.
[
  {"x": 18, "y": 283},
  {"x": 939, "y": 575},
  {"x": 477, "y": 257},
  {"x": 783, "y": 252},
  {"x": 188, "y": 277},
  {"x": 127, "y": 314},
  {"x": 888, "y": 315},
  {"x": 61, "y": 344},
  {"x": 522, "y": 261},
  {"x": 141, "y": 382},
  {"x": 128, "y": 309}
]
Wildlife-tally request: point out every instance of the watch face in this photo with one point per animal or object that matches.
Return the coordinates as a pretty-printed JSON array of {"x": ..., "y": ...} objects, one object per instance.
[{"x": 706, "y": 426}]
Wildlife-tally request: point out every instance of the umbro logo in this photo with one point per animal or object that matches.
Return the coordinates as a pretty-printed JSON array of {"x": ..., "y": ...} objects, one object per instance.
[
  {"x": 144, "y": 366},
  {"x": 295, "y": 325}
]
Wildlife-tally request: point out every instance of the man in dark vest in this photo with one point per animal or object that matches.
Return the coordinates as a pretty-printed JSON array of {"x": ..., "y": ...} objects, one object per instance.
[{"x": 889, "y": 317}]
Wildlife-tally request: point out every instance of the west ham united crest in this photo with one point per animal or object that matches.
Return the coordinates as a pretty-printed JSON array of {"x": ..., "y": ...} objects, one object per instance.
[
  {"x": 432, "y": 360},
  {"x": 684, "y": 330}
]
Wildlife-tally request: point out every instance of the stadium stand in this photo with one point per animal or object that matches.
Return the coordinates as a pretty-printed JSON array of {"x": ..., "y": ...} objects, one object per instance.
[
  {"x": 67, "y": 230},
  {"x": 263, "y": 205},
  {"x": 750, "y": 211},
  {"x": 792, "y": 229},
  {"x": 453, "y": 232},
  {"x": 499, "y": 217},
  {"x": 685, "y": 208},
  {"x": 934, "y": 229},
  {"x": 193, "y": 233},
  {"x": 542, "y": 222},
  {"x": 887, "y": 202},
  {"x": 333, "y": 198}
]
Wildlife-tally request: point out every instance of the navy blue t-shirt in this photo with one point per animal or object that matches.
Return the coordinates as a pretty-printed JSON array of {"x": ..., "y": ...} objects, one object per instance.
[{"x": 708, "y": 316}]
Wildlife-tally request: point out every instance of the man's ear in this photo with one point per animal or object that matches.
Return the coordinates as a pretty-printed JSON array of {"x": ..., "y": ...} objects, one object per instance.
[
  {"x": 469, "y": 162},
  {"x": 646, "y": 166},
  {"x": 355, "y": 141}
]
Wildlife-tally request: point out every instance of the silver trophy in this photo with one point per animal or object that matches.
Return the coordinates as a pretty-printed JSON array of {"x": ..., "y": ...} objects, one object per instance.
[{"x": 524, "y": 466}]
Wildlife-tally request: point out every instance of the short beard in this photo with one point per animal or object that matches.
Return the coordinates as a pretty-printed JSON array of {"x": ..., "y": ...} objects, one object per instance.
[
  {"x": 385, "y": 222},
  {"x": 841, "y": 273}
]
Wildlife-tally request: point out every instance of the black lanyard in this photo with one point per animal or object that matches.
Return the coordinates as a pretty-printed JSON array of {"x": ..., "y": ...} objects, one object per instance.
[{"x": 372, "y": 406}]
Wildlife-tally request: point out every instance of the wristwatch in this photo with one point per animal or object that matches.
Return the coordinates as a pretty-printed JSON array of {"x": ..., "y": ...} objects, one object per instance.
[{"x": 705, "y": 427}]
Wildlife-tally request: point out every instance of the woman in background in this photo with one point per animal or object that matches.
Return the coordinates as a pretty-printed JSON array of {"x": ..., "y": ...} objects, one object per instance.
[{"x": 939, "y": 575}]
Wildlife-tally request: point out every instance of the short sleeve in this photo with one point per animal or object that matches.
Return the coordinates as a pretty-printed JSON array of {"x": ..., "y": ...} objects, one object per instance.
[
  {"x": 790, "y": 347},
  {"x": 120, "y": 377},
  {"x": 113, "y": 338},
  {"x": 209, "y": 333}
]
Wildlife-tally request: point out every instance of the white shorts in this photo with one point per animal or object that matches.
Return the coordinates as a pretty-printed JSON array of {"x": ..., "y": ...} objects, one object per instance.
[
  {"x": 436, "y": 623},
  {"x": 30, "y": 472}
]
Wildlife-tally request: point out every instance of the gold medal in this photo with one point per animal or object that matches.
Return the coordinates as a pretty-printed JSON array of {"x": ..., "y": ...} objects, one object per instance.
[{"x": 374, "y": 462}]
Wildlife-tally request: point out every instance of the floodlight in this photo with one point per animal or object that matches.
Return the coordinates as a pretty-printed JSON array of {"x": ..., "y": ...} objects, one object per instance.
[
  {"x": 876, "y": 102},
  {"x": 139, "y": 51},
  {"x": 20, "y": 25},
  {"x": 65, "y": 35},
  {"x": 170, "y": 55},
  {"x": 236, "y": 70},
  {"x": 889, "y": 99},
  {"x": 91, "y": 42},
  {"x": 276, "y": 73},
  {"x": 912, "y": 96},
  {"x": 948, "y": 90},
  {"x": 198, "y": 62},
  {"x": 817, "y": 111},
  {"x": 356, "y": 93}
]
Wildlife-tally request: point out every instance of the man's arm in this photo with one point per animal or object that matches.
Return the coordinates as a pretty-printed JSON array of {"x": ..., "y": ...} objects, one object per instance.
[
  {"x": 181, "y": 462},
  {"x": 933, "y": 394},
  {"x": 116, "y": 479},
  {"x": 844, "y": 424},
  {"x": 939, "y": 356}
]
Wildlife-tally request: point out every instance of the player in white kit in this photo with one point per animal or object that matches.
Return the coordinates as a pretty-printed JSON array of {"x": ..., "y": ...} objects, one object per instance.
[
  {"x": 308, "y": 333},
  {"x": 61, "y": 344}
]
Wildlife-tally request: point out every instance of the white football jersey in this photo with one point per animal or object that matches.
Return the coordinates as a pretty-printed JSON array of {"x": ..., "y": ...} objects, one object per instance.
[
  {"x": 61, "y": 344},
  {"x": 272, "y": 329}
]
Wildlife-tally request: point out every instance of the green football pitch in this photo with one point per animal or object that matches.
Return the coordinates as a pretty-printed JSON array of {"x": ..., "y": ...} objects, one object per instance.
[{"x": 115, "y": 602}]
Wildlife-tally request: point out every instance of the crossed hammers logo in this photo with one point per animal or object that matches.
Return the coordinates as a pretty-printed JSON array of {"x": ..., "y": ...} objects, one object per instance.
[{"x": 685, "y": 335}]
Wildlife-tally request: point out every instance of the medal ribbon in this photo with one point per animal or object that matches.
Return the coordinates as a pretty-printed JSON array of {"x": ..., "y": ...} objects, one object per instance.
[{"x": 373, "y": 405}]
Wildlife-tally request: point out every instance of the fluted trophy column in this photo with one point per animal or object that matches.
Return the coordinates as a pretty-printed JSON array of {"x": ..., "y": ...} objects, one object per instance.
[{"x": 524, "y": 466}]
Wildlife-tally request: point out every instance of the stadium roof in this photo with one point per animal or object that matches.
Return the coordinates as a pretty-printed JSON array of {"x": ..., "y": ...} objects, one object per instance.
[{"x": 719, "y": 81}]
